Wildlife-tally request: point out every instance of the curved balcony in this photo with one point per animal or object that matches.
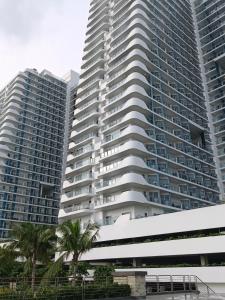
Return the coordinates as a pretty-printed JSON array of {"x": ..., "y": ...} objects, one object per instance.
[
  {"x": 130, "y": 198},
  {"x": 88, "y": 96},
  {"x": 91, "y": 66},
  {"x": 134, "y": 78},
  {"x": 9, "y": 125},
  {"x": 79, "y": 181},
  {"x": 85, "y": 117},
  {"x": 81, "y": 153},
  {"x": 75, "y": 134},
  {"x": 94, "y": 84},
  {"x": 134, "y": 54},
  {"x": 125, "y": 182},
  {"x": 96, "y": 26},
  {"x": 10, "y": 119},
  {"x": 89, "y": 76},
  {"x": 129, "y": 148},
  {"x": 7, "y": 133},
  {"x": 87, "y": 107},
  {"x": 139, "y": 165},
  {"x": 3, "y": 148},
  {"x": 133, "y": 117},
  {"x": 131, "y": 132},
  {"x": 136, "y": 181},
  {"x": 12, "y": 106},
  {"x": 141, "y": 9},
  {"x": 133, "y": 91},
  {"x": 97, "y": 8},
  {"x": 5, "y": 140},
  {"x": 16, "y": 92},
  {"x": 120, "y": 9},
  {"x": 134, "y": 34},
  {"x": 133, "y": 67},
  {"x": 124, "y": 11},
  {"x": 18, "y": 85},
  {"x": 126, "y": 164},
  {"x": 9, "y": 112},
  {"x": 137, "y": 148},
  {"x": 104, "y": 27},
  {"x": 75, "y": 211},
  {"x": 99, "y": 39},
  {"x": 77, "y": 196},
  {"x": 90, "y": 54},
  {"x": 86, "y": 139},
  {"x": 14, "y": 101},
  {"x": 133, "y": 104},
  {"x": 120, "y": 200},
  {"x": 80, "y": 166},
  {"x": 145, "y": 44},
  {"x": 104, "y": 11}
]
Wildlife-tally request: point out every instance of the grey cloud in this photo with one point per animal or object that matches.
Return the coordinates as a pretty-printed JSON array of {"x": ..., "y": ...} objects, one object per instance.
[{"x": 21, "y": 18}]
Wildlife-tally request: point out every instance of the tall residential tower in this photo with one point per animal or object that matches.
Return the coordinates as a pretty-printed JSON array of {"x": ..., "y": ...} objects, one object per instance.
[
  {"x": 140, "y": 142},
  {"x": 32, "y": 115},
  {"x": 210, "y": 27}
]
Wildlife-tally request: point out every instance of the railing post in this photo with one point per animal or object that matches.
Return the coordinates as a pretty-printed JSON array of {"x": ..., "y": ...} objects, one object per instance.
[
  {"x": 171, "y": 283},
  {"x": 83, "y": 289},
  {"x": 196, "y": 283},
  {"x": 157, "y": 283},
  {"x": 189, "y": 279},
  {"x": 184, "y": 283}
]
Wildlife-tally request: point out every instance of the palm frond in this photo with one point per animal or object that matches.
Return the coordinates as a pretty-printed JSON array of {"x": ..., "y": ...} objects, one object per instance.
[{"x": 53, "y": 270}]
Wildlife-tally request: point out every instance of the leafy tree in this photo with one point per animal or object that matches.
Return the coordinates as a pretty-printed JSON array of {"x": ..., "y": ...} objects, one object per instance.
[
  {"x": 104, "y": 273},
  {"x": 35, "y": 243},
  {"x": 82, "y": 269},
  {"x": 7, "y": 261}
]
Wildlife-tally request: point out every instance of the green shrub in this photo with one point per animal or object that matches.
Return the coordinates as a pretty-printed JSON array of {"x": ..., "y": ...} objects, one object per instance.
[
  {"x": 69, "y": 292},
  {"x": 9, "y": 294},
  {"x": 103, "y": 274},
  {"x": 107, "y": 291}
]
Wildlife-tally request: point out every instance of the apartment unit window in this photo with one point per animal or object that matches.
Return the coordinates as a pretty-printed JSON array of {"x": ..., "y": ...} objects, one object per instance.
[{"x": 108, "y": 220}]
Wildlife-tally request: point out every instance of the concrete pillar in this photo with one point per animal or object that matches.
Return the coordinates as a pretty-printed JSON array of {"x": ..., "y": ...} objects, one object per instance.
[
  {"x": 136, "y": 262},
  {"x": 204, "y": 260},
  {"x": 135, "y": 279}
]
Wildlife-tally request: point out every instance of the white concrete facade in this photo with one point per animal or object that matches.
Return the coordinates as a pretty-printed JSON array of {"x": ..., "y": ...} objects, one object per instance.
[
  {"x": 72, "y": 79},
  {"x": 185, "y": 221},
  {"x": 181, "y": 223},
  {"x": 140, "y": 139}
]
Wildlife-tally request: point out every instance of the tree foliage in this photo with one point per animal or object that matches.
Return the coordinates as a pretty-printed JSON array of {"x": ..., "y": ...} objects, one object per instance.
[
  {"x": 103, "y": 273},
  {"x": 72, "y": 242},
  {"x": 35, "y": 243}
]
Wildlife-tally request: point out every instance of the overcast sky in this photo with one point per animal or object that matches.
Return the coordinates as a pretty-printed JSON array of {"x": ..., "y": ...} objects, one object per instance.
[{"x": 41, "y": 34}]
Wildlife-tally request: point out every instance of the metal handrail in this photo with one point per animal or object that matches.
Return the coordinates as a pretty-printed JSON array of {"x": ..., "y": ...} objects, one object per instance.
[
  {"x": 186, "y": 280},
  {"x": 208, "y": 287}
]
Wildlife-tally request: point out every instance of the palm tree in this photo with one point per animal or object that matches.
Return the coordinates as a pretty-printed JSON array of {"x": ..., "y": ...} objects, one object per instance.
[
  {"x": 35, "y": 243},
  {"x": 73, "y": 241}
]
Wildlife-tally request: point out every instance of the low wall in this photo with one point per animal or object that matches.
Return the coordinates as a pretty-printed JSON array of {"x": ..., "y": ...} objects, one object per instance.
[{"x": 135, "y": 279}]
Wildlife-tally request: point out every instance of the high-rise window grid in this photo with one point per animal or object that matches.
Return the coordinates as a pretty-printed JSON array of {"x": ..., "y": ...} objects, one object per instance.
[{"x": 31, "y": 149}]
